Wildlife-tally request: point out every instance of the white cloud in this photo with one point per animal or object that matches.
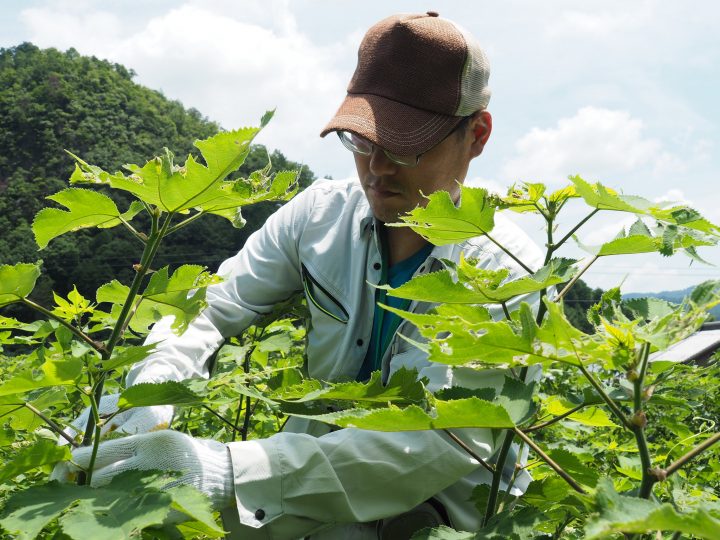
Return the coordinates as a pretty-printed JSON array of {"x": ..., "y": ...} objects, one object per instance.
[
  {"x": 221, "y": 62},
  {"x": 596, "y": 143}
]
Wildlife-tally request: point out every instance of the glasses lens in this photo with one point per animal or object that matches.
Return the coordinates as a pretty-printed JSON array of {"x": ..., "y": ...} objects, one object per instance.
[
  {"x": 355, "y": 143},
  {"x": 405, "y": 161}
]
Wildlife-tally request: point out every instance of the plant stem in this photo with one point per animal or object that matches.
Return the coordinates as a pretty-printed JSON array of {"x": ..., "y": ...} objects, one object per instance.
[
  {"x": 246, "y": 421},
  {"x": 648, "y": 479},
  {"x": 56, "y": 428},
  {"x": 76, "y": 331},
  {"x": 554, "y": 419},
  {"x": 218, "y": 415},
  {"x": 564, "y": 475},
  {"x": 148, "y": 255},
  {"x": 700, "y": 448},
  {"x": 469, "y": 450},
  {"x": 575, "y": 228},
  {"x": 574, "y": 280},
  {"x": 610, "y": 403},
  {"x": 96, "y": 440},
  {"x": 497, "y": 477},
  {"x": 505, "y": 310}
]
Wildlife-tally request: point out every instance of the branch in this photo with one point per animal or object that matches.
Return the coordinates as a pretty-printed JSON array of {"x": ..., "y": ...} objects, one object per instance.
[
  {"x": 510, "y": 254},
  {"x": 56, "y": 428},
  {"x": 554, "y": 419},
  {"x": 469, "y": 450},
  {"x": 76, "y": 331},
  {"x": 565, "y": 476},
  {"x": 184, "y": 222},
  {"x": 572, "y": 282},
  {"x": 700, "y": 448},
  {"x": 575, "y": 228},
  {"x": 218, "y": 415},
  {"x": 610, "y": 403}
]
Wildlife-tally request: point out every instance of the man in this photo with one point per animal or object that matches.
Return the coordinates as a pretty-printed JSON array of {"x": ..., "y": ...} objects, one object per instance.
[{"x": 414, "y": 117}]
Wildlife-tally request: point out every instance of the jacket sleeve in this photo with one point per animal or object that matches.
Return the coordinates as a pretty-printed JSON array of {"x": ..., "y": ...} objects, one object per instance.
[
  {"x": 264, "y": 272},
  {"x": 290, "y": 485}
]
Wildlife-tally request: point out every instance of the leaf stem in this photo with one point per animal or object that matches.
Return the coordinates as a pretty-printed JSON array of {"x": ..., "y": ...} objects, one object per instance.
[
  {"x": 607, "y": 399},
  {"x": 133, "y": 230},
  {"x": 469, "y": 450},
  {"x": 678, "y": 463},
  {"x": 510, "y": 254},
  {"x": 575, "y": 228},
  {"x": 554, "y": 419},
  {"x": 505, "y": 310},
  {"x": 574, "y": 280},
  {"x": 76, "y": 331},
  {"x": 55, "y": 427},
  {"x": 218, "y": 415},
  {"x": 557, "y": 468},
  {"x": 184, "y": 222}
]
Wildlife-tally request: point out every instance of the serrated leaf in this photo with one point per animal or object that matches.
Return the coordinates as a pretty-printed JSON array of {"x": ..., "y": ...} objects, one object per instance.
[
  {"x": 43, "y": 452},
  {"x": 164, "y": 393},
  {"x": 132, "y": 501},
  {"x": 52, "y": 373},
  {"x": 17, "y": 281},
  {"x": 460, "y": 413},
  {"x": 196, "y": 505},
  {"x": 622, "y": 514},
  {"x": 480, "y": 286},
  {"x": 85, "y": 208},
  {"x": 574, "y": 467},
  {"x": 441, "y": 222},
  {"x": 403, "y": 387}
]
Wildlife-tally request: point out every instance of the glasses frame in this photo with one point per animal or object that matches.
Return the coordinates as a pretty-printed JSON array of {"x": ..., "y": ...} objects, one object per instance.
[{"x": 403, "y": 161}]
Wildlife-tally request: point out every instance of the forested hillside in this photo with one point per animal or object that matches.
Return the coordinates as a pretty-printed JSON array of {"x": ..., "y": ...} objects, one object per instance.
[{"x": 52, "y": 101}]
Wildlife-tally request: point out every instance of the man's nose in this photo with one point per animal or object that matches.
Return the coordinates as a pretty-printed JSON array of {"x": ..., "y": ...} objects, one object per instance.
[{"x": 380, "y": 164}]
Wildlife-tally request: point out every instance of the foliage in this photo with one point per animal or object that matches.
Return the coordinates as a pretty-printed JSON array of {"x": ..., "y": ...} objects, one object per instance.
[
  {"x": 611, "y": 426},
  {"x": 52, "y": 101}
]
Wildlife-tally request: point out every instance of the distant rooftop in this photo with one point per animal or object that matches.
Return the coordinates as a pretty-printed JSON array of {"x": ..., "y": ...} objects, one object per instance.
[{"x": 699, "y": 346}]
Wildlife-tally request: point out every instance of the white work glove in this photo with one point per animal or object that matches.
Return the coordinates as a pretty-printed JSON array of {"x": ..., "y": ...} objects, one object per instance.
[
  {"x": 132, "y": 421},
  {"x": 202, "y": 463}
]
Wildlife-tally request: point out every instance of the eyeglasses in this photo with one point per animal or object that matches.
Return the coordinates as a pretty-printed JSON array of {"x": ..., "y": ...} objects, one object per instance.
[{"x": 360, "y": 145}]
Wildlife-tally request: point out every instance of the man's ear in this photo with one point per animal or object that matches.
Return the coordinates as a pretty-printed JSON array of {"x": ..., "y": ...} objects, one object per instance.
[{"x": 481, "y": 127}]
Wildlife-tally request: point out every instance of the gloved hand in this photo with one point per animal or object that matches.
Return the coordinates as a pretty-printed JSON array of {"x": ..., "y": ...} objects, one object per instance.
[
  {"x": 203, "y": 463},
  {"x": 132, "y": 421}
]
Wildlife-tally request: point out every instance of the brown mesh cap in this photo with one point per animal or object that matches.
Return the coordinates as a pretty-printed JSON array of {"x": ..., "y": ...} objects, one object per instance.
[{"x": 416, "y": 77}]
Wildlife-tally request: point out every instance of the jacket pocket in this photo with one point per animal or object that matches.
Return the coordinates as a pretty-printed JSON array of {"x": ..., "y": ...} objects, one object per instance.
[{"x": 322, "y": 299}]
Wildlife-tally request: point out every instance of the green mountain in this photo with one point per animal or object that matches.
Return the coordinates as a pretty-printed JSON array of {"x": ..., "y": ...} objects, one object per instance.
[
  {"x": 52, "y": 101},
  {"x": 675, "y": 297}
]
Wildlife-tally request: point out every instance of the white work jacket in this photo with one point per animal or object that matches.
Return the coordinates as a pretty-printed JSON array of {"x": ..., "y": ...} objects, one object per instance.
[{"x": 325, "y": 242}]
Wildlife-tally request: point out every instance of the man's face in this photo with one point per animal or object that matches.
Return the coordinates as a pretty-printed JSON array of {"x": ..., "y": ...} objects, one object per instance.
[{"x": 393, "y": 190}]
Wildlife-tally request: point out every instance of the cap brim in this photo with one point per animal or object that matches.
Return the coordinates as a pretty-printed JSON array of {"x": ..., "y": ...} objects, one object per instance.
[{"x": 396, "y": 127}]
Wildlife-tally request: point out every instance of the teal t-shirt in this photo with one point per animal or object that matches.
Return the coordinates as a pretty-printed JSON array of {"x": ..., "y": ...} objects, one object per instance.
[{"x": 384, "y": 322}]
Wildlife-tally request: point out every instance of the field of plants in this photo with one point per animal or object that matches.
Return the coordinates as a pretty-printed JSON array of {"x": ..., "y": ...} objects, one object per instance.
[{"x": 620, "y": 441}]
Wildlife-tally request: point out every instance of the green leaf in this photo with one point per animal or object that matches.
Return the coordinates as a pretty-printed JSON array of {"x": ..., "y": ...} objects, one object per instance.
[
  {"x": 622, "y": 514},
  {"x": 479, "y": 285},
  {"x": 127, "y": 356},
  {"x": 75, "y": 305},
  {"x": 43, "y": 452},
  {"x": 85, "y": 209},
  {"x": 441, "y": 222},
  {"x": 181, "y": 295},
  {"x": 196, "y": 505},
  {"x": 516, "y": 398},
  {"x": 17, "y": 282},
  {"x": 442, "y": 533},
  {"x": 132, "y": 501},
  {"x": 403, "y": 387},
  {"x": 574, "y": 467},
  {"x": 53, "y": 372},
  {"x": 460, "y": 413},
  {"x": 164, "y": 393}
]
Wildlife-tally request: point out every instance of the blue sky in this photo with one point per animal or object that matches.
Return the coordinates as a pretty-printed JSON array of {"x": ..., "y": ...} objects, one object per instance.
[{"x": 620, "y": 92}]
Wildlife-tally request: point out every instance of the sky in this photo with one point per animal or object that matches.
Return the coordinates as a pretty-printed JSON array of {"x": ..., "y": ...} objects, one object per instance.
[{"x": 624, "y": 93}]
